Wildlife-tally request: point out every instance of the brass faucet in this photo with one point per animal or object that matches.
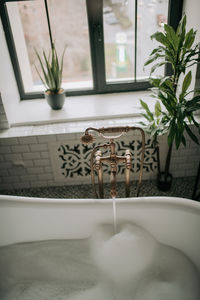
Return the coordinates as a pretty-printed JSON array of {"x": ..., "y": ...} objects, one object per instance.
[{"x": 97, "y": 160}]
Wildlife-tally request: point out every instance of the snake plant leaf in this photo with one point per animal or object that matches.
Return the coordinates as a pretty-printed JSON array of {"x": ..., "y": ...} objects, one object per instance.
[
  {"x": 41, "y": 77},
  {"x": 57, "y": 67},
  {"x": 51, "y": 70},
  {"x": 51, "y": 82},
  {"x": 43, "y": 70},
  {"x": 61, "y": 64}
]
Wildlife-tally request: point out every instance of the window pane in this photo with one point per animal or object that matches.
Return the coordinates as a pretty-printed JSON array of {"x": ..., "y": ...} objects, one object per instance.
[
  {"x": 69, "y": 27},
  {"x": 30, "y": 30},
  {"x": 152, "y": 14},
  {"x": 119, "y": 27}
]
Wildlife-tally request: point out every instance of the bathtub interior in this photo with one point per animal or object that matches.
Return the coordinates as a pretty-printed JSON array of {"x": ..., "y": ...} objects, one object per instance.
[
  {"x": 41, "y": 235},
  {"x": 172, "y": 221}
]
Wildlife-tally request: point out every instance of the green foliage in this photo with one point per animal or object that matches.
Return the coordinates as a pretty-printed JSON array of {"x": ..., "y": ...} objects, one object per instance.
[
  {"x": 51, "y": 70},
  {"x": 154, "y": 127},
  {"x": 178, "y": 50}
]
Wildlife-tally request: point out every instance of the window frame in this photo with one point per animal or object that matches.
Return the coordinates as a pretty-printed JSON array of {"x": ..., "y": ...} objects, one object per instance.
[{"x": 96, "y": 36}]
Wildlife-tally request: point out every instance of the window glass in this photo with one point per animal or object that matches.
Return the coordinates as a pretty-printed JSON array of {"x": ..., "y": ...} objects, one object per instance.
[
  {"x": 126, "y": 43},
  {"x": 152, "y": 14},
  {"x": 30, "y": 30},
  {"x": 69, "y": 27},
  {"x": 119, "y": 44}
]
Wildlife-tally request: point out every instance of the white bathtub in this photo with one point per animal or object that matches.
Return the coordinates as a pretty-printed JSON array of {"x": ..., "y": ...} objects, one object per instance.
[{"x": 173, "y": 221}]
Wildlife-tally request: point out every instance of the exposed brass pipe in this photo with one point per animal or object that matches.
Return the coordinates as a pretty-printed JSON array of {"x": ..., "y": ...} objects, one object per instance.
[
  {"x": 127, "y": 171},
  {"x": 113, "y": 159}
]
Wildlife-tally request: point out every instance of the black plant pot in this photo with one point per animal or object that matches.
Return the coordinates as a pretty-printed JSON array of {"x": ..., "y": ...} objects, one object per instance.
[
  {"x": 162, "y": 184},
  {"x": 56, "y": 101}
]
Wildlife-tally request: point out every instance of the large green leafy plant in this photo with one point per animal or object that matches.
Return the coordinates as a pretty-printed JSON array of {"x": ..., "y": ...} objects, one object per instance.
[
  {"x": 51, "y": 75},
  {"x": 177, "y": 49}
]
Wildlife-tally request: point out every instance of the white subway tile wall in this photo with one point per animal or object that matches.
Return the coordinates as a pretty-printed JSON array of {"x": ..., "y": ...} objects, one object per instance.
[{"x": 60, "y": 159}]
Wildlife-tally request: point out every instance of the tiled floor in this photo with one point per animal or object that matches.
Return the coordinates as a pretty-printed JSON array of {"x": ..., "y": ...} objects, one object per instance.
[{"x": 181, "y": 187}]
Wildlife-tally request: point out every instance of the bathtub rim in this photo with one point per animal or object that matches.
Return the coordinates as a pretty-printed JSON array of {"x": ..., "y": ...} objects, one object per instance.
[{"x": 184, "y": 203}]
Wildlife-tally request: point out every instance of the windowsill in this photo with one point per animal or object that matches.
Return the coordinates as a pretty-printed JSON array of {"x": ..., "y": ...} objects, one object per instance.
[
  {"x": 80, "y": 108},
  {"x": 35, "y": 117}
]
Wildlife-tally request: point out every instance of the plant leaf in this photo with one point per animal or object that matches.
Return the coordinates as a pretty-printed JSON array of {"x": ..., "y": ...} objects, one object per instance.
[
  {"x": 157, "y": 109},
  {"x": 161, "y": 38},
  {"x": 43, "y": 82},
  {"x": 189, "y": 38},
  {"x": 146, "y": 108},
  {"x": 157, "y": 66},
  {"x": 43, "y": 69},
  {"x": 191, "y": 134},
  {"x": 183, "y": 140},
  {"x": 171, "y": 36},
  {"x": 172, "y": 132},
  {"x": 186, "y": 82},
  {"x": 51, "y": 69}
]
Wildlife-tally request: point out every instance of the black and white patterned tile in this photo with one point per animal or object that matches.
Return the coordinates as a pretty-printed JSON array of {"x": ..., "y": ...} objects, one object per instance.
[{"x": 71, "y": 159}]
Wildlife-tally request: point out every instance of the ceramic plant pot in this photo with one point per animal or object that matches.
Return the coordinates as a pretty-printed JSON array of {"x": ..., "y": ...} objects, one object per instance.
[
  {"x": 162, "y": 184},
  {"x": 56, "y": 101}
]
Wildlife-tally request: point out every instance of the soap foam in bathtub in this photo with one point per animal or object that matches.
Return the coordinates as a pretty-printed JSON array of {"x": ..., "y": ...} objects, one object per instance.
[{"x": 133, "y": 265}]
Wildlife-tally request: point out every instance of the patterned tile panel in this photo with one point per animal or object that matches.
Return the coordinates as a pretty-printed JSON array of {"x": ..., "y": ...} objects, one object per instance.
[{"x": 71, "y": 160}]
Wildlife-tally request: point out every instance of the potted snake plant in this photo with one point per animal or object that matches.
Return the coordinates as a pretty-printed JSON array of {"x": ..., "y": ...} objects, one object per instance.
[
  {"x": 51, "y": 77},
  {"x": 177, "y": 49}
]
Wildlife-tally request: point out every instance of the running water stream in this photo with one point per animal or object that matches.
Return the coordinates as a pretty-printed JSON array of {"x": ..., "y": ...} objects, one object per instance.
[{"x": 114, "y": 215}]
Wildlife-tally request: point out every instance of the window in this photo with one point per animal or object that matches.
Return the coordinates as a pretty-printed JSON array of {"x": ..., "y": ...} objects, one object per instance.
[{"x": 107, "y": 41}]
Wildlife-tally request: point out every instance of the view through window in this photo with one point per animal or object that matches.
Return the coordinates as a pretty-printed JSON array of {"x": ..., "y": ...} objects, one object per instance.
[
  {"x": 127, "y": 40},
  {"x": 69, "y": 27},
  {"x": 123, "y": 45}
]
